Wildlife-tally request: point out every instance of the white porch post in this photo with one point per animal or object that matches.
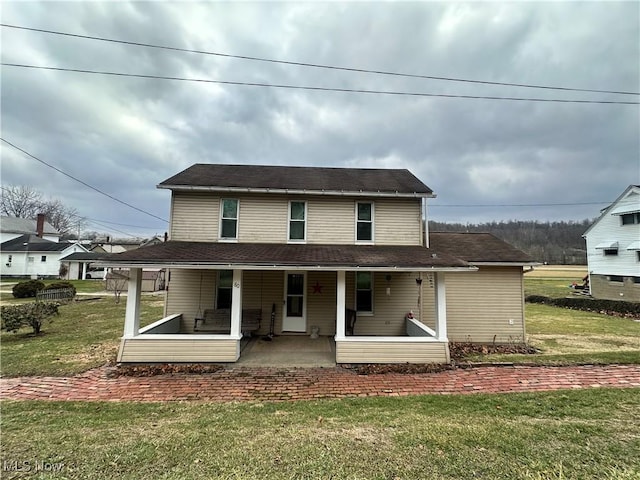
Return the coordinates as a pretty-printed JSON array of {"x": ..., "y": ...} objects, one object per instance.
[
  {"x": 84, "y": 270},
  {"x": 441, "y": 307},
  {"x": 236, "y": 304},
  {"x": 341, "y": 295},
  {"x": 132, "y": 313}
]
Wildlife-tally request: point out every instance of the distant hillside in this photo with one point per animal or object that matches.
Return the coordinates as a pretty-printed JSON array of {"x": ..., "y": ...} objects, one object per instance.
[{"x": 550, "y": 242}]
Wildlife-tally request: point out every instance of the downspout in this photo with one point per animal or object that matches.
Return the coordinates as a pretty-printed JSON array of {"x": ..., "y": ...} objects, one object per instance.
[{"x": 426, "y": 222}]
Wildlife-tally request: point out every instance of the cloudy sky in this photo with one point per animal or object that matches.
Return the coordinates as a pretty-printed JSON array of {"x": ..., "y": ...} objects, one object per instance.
[{"x": 124, "y": 135}]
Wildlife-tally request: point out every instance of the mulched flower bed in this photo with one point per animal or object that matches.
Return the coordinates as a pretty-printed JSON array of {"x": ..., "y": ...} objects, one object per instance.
[
  {"x": 162, "y": 369},
  {"x": 460, "y": 350}
]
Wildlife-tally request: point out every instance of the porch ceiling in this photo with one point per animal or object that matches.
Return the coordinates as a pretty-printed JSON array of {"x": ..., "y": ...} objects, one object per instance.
[{"x": 260, "y": 255}]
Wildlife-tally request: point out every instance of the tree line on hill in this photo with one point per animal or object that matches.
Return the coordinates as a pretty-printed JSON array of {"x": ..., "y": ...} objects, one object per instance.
[{"x": 558, "y": 243}]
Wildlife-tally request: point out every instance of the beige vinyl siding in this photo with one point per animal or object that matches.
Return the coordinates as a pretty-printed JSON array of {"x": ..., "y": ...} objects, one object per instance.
[
  {"x": 194, "y": 217},
  {"x": 389, "y": 310},
  {"x": 331, "y": 220},
  {"x": 321, "y": 306},
  {"x": 189, "y": 349},
  {"x": 480, "y": 305},
  {"x": 190, "y": 293},
  {"x": 398, "y": 221},
  {"x": 391, "y": 352},
  {"x": 263, "y": 218}
]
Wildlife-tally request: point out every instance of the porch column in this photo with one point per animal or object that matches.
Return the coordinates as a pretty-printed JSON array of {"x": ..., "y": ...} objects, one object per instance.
[
  {"x": 341, "y": 295},
  {"x": 132, "y": 312},
  {"x": 441, "y": 307},
  {"x": 236, "y": 304},
  {"x": 84, "y": 270}
]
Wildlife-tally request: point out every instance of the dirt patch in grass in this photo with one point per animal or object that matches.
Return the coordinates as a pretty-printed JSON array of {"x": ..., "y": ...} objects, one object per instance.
[
  {"x": 100, "y": 353},
  {"x": 567, "y": 344}
]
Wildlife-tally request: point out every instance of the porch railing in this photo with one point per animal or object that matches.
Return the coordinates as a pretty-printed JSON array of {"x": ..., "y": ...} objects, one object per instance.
[
  {"x": 170, "y": 324},
  {"x": 418, "y": 329}
]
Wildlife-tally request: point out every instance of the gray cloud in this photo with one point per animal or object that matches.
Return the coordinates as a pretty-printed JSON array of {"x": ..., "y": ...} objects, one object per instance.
[{"x": 125, "y": 135}]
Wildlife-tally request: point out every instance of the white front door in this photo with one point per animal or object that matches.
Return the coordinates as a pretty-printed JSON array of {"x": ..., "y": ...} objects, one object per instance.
[{"x": 295, "y": 302}]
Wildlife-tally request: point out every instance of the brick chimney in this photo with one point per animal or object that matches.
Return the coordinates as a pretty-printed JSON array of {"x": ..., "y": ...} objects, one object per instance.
[{"x": 40, "y": 225}]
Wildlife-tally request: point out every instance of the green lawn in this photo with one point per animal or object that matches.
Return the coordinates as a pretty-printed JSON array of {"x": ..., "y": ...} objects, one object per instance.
[
  {"x": 578, "y": 435},
  {"x": 554, "y": 287},
  {"x": 83, "y": 336}
]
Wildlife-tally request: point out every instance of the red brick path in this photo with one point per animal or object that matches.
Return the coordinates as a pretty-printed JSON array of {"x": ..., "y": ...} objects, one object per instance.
[{"x": 281, "y": 384}]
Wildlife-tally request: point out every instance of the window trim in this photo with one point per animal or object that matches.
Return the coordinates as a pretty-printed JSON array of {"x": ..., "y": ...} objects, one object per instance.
[
  {"x": 372, "y": 222},
  {"x": 305, "y": 220},
  {"x": 365, "y": 313},
  {"x": 222, "y": 218}
]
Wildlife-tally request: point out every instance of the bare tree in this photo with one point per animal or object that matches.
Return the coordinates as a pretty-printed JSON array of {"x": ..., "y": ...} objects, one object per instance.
[
  {"x": 26, "y": 202},
  {"x": 20, "y": 201}
]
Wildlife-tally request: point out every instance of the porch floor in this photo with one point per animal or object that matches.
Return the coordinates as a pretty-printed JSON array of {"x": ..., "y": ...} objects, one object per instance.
[{"x": 288, "y": 351}]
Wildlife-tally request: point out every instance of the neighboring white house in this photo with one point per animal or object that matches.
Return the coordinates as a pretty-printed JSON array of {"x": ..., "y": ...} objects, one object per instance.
[
  {"x": 12, "y": 227},
  {"x": 34, "y": 257},
  {"x": 613, "y": 249}
]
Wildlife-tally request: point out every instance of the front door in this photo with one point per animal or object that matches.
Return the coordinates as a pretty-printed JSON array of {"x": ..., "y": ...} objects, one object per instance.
[{"x": 295, "y": 303}]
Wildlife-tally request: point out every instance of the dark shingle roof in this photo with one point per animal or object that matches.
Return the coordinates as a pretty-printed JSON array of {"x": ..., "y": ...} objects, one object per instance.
[
  {"x": 477, "y": 247},
  {"x": 284, "y": 255},
  {"x": 86, "y": 256},
  {"x": 25, "y": 225},
  {"x": 33, "y": 243},
  {"x": 310, "y": 179}
]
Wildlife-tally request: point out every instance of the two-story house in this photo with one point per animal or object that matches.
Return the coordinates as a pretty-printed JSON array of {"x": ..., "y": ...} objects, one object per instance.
[
  {"x": 613, "y": 249},
  {"x": 338, "y": 253}
]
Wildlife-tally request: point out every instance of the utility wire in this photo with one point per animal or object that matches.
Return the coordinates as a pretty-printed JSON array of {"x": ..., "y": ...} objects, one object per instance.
[
  {"x": 81, "y": 181},
  {"x": 523, "y": 205},
  {"x": 314, "y": 65},
  {"x": 324, "y": 89},
  {"x": 121, "y": 224}
]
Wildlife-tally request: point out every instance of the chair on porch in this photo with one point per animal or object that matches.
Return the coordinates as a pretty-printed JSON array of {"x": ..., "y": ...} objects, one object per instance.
[{"x": 350, "y": 320}]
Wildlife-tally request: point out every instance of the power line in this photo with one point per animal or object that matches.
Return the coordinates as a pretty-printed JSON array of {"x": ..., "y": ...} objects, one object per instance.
[
  {"x": 82, "y": 182},
  {"x": 323, "y": 89},
  {"x": 522, "y": 205},
  {"x": 93, "y": 222},
  {"x": 122, "y": 224},
  {"x": 314, "y": 65}
]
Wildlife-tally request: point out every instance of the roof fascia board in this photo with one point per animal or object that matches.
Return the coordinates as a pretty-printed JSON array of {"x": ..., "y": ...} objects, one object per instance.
[
  {"x": 293, "y": 191},
  {"x": 505, "y": 264},
  {"x": 327, "y": 268}
]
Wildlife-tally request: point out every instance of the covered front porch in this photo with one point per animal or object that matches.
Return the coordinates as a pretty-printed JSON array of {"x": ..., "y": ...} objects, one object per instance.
[{"x": 304, "y": 316}]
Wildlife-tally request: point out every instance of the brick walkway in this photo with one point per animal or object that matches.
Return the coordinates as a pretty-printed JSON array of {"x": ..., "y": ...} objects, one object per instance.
[{"x": 275, "y": 384}]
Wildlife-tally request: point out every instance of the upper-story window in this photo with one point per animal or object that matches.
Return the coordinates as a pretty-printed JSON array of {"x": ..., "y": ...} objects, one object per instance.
[
  {"x": 364, "y": 222},
  {"x": 43, "y": 258},
  {"x": 631, "y": 218},
  {"x": 229, "y": 219},
  {"x": 297, "y": 221}
]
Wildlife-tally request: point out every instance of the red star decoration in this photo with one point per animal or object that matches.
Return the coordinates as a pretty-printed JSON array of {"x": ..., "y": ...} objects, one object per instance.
[{"x": 317, "y": 288}]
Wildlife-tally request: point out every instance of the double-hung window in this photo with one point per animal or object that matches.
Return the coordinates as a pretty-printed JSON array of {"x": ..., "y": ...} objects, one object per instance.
[
  {"x": 364, "y": 222},
  {"x": 364, "y": 292},
  {"x": 297, "y": 221},
  {"x": 229, "y": 219}
]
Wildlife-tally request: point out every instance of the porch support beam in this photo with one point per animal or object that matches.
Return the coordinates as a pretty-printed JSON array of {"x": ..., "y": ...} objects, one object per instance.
[
  {"x": 341, "y": 295},
  {"x": 84, "y": 270},
  {"x": 441, "y": 307},
  {"x": 132, "y": 312},
  {"x": 236, "y": 304}
]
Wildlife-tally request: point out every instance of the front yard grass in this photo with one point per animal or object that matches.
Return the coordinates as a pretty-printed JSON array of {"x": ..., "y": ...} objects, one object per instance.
[
  {"x": 592, "y": 434},
  {"x": 85, "y": 335}
]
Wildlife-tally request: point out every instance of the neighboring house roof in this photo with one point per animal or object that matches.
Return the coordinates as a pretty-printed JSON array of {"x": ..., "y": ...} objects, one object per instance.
[
  {"x": 477, "y": 248},
  {"x": 85, "y": 257},
  {"x": 33, "y": 243},
  {"x": 146, "y": 274},
  {"x": 25, "y": 225},
  {"x": 176, "y": 253},
  {"x": 308, "y": 180},
  {"x": 627, "y": 202}
]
